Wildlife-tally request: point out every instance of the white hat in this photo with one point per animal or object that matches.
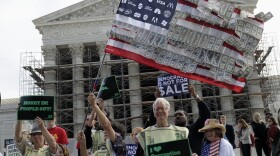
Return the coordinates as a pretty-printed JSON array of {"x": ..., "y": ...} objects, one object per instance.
[{"x": 35, "y": 129}]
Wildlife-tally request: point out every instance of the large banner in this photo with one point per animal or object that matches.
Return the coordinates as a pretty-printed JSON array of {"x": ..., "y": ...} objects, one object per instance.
[
  {"x": 33, "y": 106},
  {"x": 207, "y": 40},
  {"x": 171, "y": 85}
]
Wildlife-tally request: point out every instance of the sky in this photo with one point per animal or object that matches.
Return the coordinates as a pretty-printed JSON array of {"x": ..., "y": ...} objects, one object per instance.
[{"x": 18, "y": 34}]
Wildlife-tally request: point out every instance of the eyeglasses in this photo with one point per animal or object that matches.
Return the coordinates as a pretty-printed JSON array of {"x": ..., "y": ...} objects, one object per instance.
[
  {"x": 158, "y": 109},
  {"x": 36, "y": 134}
]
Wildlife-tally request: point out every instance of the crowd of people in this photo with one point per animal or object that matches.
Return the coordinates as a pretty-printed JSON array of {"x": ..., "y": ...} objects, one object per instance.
[{"x": 103, "y": 136}]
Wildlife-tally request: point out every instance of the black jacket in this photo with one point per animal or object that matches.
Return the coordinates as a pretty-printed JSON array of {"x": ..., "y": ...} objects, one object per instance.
[
  {"x": 260, "y": 130},
  {"x": 230, "y": 135},
  {"x": 195, "y": 137}
]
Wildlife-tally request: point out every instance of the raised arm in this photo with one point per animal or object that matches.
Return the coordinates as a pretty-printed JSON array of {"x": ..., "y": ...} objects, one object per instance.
[
  {"x": 203, "y": 109},
  {"x": 18, "y": 129},
  {"x": 194, "y": 94},
  {"x": 90, "y": 121},
  {"x": 48, "y": 137},
  {"x": 82, "y": 140},
  {"x": 104, "y": 121}
]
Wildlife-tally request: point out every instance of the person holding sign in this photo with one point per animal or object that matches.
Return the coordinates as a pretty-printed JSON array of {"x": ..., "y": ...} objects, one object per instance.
[
  {"x": 113, "y": 133},
  {"x": 162, "y": 131},
  {"x": 214, "y": 143},
  {"x": 93, "y": 131},
  {"x": 181, "y": 119},
  {"x": 39, "y": 134},
  {"x": 135, "y": 131}
]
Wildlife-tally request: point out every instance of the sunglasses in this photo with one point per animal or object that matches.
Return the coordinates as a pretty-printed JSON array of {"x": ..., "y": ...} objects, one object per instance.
[{"x": 35, "y": 134}]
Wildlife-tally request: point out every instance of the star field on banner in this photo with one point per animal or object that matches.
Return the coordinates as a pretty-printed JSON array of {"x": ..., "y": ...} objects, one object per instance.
[{"x": 207, "y": 40}]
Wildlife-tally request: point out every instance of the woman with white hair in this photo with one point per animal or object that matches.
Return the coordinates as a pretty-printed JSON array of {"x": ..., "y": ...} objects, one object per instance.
[
  {"x": 162, "y": 131},
  {"x": 260, "y": 133}
]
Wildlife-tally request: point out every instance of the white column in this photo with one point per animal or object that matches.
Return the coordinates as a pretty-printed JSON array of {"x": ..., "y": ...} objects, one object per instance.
[
  {"x": 78, "y": 86},
  {"x": 170, "y": 99},
  {"x": 135, "y": 95},
  {"x": 256, "y": 101},
  {"x": 227, "y": 105},
  {"x": 101, "y": 47},
  {"x": 50, "y": 53}
]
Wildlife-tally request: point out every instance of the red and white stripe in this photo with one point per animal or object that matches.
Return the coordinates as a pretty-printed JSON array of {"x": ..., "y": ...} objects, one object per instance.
[
  {"x": 217, "y": 32},
  {"x": 190, "y": 8},
  {"x": 212, "y": 30},
  {"x": 214, "y": 148},
  {"x": 118, "y": 47}
]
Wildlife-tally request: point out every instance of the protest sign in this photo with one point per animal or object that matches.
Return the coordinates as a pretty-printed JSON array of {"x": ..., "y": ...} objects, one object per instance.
[
  {"x": 131, "y": 149},
  {"x": 211, "y": 41},
  {"x": 33, "y": 106},
  {"x": 109, "y": 89},
  {"x": 170, "y": 85},
  {"x": 178, "y": 147},
  {"x": 8, "y": 142},
  {"x": 12, "y": 150}
]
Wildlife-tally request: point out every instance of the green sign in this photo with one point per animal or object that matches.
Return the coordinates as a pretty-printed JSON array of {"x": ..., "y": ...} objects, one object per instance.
[
  {"x": 172, "y": 148},
  {"x": 32, "y": 106},
  {"x": 109, "y": 89}
]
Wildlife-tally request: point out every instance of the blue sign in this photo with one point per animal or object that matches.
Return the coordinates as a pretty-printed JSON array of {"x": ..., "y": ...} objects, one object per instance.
[
  {"x": 155, "y": 12},
  {"x": 170, "y": 85},
  {"x": 131, "y": 149}
]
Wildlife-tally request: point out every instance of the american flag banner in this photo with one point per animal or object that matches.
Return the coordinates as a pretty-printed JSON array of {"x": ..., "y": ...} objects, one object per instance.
[
  {"x": 211, "y": 148},
  {"x": 205, "y": 149},
  {"x": 207, "y": 40}
]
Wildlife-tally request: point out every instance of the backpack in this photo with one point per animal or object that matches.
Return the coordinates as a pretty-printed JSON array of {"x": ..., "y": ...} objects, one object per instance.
[{"x": 252, "y": 137}]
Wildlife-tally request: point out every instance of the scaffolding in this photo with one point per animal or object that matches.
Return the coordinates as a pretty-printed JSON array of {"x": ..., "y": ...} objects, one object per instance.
[
  {"x": 66, "y": 82},
  {"x": 65, "y": 96},
  {"x": 267, "y": 62},
  {"x": 31, "y": 76}
]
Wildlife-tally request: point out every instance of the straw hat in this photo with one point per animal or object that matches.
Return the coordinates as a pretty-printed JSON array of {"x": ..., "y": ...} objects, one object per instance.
[{"x": 211, "y": 124}]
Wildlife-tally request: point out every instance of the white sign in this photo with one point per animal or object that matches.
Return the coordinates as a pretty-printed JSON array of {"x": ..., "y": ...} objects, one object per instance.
[{"x": 11, "y": 150}]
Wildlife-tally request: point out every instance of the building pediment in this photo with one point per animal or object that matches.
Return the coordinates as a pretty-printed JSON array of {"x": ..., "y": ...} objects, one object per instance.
[
  {"x": 86, "y": 21},
  {"x": 87, "y": 10}
]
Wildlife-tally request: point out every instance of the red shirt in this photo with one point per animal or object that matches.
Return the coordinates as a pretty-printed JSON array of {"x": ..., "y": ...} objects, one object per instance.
[{"x": 59, "y": 135}]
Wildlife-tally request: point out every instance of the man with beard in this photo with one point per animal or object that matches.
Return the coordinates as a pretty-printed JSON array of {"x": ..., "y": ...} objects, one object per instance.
[{"x": 181, "y": 119}]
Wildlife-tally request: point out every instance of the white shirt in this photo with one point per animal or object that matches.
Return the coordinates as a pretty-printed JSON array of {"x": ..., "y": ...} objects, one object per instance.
[{"x": 226, "y": 148}]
